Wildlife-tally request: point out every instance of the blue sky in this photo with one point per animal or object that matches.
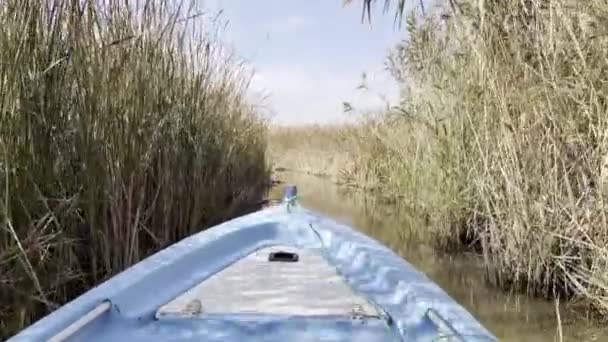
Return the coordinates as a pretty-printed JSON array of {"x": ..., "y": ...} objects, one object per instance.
[{"x": 309, "y": 55}]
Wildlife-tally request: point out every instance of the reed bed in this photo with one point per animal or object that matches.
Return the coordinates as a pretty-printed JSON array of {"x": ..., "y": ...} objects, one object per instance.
[
  {"x": 312, "y": 149},
  {"x": 508, "y": 104},
  {"x": 511, "y": 97},
  {"x": 124, "y": 127},
  {"x": 500, "y": 141},
  {"x": 338, "y": 152}
]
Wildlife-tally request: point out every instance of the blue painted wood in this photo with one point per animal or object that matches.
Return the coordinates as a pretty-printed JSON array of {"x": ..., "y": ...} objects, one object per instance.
[{"x": 405, "y": 294}]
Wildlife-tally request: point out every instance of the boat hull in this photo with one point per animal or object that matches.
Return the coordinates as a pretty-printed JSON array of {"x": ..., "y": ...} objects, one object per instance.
[{"x": 413, "y": 307}]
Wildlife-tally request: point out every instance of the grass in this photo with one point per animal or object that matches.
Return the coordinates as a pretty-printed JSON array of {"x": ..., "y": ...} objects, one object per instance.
[
  {"x": 501, "y": 140},
  {"x": 311, "y": 149},
  {"x": 513, "y": 101},
  {"x": 340, "y": 152},
  {"x": 124, "y": 127}
]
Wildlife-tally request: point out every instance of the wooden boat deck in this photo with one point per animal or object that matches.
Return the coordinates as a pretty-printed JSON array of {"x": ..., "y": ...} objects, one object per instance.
[{"x": 254, "y": 285}]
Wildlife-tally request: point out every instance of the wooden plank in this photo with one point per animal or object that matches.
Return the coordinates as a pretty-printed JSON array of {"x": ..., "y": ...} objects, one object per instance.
[{"x": 308, "y": 287}]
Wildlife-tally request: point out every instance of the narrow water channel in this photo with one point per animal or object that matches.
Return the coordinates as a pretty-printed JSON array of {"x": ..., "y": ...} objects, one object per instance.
[{"x": 511, "y": 317}]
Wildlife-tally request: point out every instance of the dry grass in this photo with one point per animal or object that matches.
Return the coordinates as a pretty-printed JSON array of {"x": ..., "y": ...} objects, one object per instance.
[
  {"x": 515, "y": 104},
  {"x": 356, "y": 155},
  {"x": 501, "y": 140},
  {"x": 315, "y": 150},
  {"x": 512, "y": 101},
  {"x": 124, "y": 128},
  {"x": 368, "y": 154}
]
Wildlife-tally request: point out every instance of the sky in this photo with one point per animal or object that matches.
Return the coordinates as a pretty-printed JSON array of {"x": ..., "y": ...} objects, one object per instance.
[{"x": 309, "y": 56}]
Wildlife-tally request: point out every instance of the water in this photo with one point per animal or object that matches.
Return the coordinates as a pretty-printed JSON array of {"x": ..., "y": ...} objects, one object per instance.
[{"x": 511, "y": 317}]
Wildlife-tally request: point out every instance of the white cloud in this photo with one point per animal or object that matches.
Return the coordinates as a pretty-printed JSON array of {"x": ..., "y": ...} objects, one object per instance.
[
  {"x": 291, "y": 23},
  {"x": 298, "y": 80},
  {"x": 309, "y": 94}
]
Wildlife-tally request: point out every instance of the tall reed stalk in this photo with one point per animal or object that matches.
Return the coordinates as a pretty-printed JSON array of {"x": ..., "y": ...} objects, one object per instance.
[
  {"x": 500, "y": 141},
  {"x": 124, "y": 127},
  {"x": 503, "y": 136}
]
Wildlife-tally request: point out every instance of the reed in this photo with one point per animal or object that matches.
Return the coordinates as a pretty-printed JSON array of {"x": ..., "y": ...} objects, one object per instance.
[
  {"x": 500, "y": 141},
  {"x": 508, "y": 103},
  {"x": 124, "y": 127},
  {"x": 311, "y": 149},
  {"x": 339, "y": 152}
]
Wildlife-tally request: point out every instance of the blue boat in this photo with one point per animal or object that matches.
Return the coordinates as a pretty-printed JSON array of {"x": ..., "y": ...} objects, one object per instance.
[{"x": 283, "y": 273}]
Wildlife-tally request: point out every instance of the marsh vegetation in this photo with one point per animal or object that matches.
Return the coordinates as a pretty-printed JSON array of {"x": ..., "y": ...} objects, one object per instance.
[
  {"x": 499, "y": 142},
  {"x": 124, "y": 127}
]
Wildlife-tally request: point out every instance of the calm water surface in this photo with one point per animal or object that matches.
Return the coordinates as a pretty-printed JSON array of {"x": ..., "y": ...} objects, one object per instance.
[{"x": 511, "y": 317}]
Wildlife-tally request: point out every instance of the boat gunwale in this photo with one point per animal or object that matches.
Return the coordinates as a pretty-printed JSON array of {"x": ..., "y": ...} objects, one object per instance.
[{"x": 338, "y": 240}]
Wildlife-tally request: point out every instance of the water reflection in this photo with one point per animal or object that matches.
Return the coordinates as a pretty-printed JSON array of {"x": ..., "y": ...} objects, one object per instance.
[{"x": 512, "y": 317}]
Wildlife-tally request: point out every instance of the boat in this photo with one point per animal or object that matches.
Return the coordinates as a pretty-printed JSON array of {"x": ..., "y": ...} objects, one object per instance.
[{"x": 283, "y": 273}]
